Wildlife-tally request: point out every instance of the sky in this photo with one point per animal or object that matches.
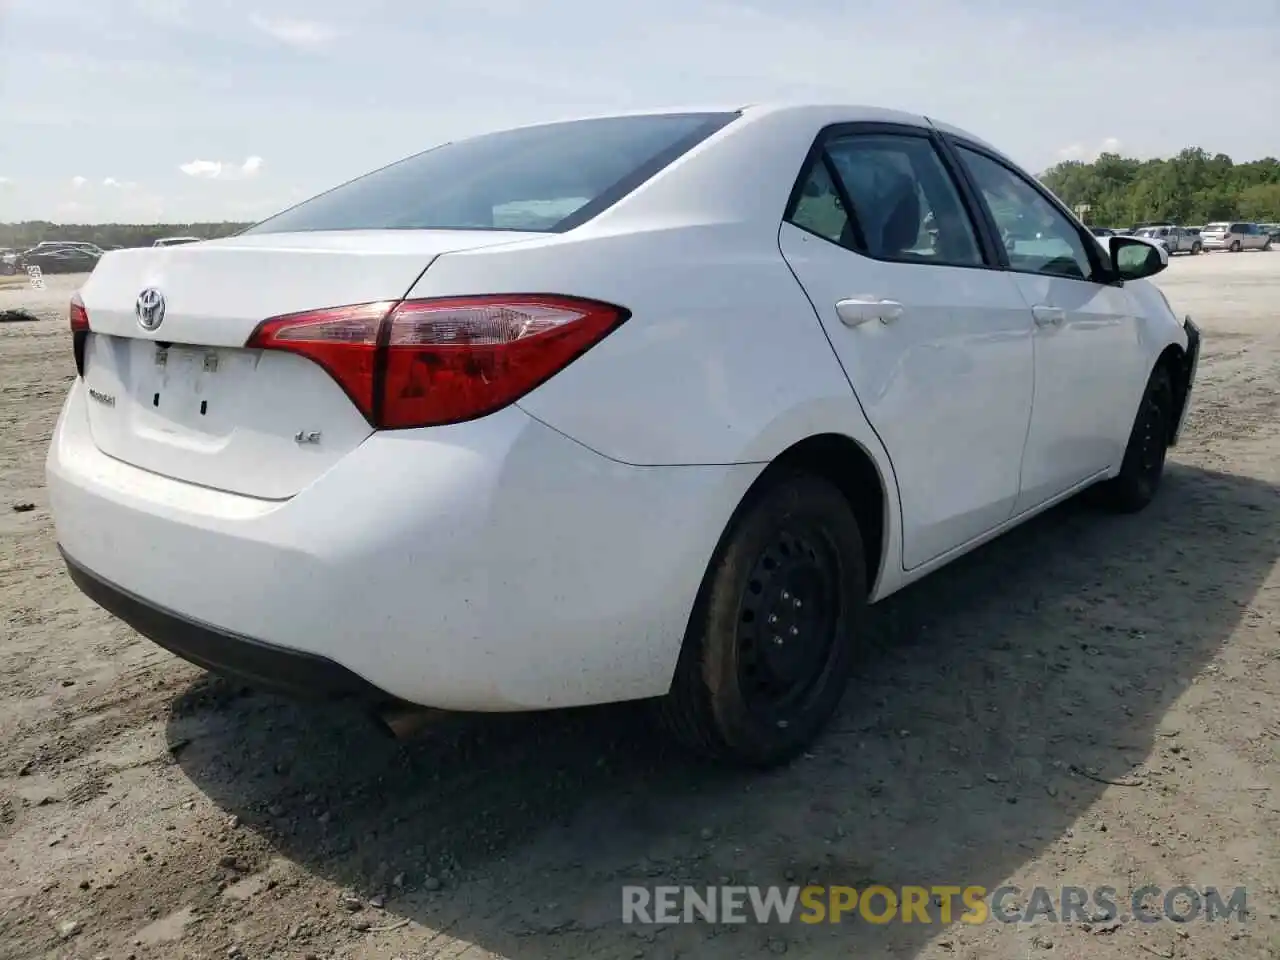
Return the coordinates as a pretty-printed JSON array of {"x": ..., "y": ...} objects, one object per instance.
[{"x": 184, "y": 110}]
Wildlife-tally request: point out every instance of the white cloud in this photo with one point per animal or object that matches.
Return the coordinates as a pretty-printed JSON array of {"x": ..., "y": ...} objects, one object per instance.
[
  {"x": 118, "y": 184},
  {"x": 202, "y": 168},
  {"x": 1086, "y": 153},
  {"x": 222, "y": 170},
  {"x": 78, "y": 182},
  {"x": 5, "y": 182},
  {"x": 304, "y": 34}
]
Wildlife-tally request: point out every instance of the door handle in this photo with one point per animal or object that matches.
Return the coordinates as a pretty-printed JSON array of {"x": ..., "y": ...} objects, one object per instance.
[
  {"x": 1048, "y": 316},
  {"x": 856, "y": 311}
]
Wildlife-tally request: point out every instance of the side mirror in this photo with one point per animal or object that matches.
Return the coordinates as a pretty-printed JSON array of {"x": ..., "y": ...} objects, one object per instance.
[{"x": 1135, "y": 258}]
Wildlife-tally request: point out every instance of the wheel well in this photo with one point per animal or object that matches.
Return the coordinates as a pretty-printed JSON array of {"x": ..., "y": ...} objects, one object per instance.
[{"x": 847, "y": 465}]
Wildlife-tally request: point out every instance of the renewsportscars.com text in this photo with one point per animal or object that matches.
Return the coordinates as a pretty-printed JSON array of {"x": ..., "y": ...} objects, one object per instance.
[{"x": 942, "y": 904}]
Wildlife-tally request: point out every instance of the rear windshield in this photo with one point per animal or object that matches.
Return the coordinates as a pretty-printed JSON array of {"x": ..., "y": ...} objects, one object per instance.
[{"x": 547, "y": 178}]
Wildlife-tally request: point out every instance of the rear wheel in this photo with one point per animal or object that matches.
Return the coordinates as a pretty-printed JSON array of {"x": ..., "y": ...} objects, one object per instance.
[
  {"x": 1267, "y": 245},
  {"x": 1235, "y": 246},
  {"x": 770, "y": 644},
  {"x": 1195, "y": 249},
  {"x": 1143, "y": 466}
]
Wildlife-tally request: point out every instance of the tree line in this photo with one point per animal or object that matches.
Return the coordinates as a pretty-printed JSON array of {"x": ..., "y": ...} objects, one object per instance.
[
  {"x": 23, "y": 236},
  {"x": 1191, "y": 188}
]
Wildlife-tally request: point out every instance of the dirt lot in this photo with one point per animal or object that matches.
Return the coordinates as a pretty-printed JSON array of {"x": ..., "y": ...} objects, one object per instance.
[{"x": 147, "y": 810}]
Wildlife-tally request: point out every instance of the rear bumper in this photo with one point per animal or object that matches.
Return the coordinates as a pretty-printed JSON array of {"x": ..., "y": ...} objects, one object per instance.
[
  {"x": 303, "y": 676},
  {"x": 492, "y": 565}
]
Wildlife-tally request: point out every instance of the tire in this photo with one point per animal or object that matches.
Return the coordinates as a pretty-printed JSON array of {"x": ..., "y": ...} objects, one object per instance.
[
  {"x": 1235, "y": 246},
  {"x": 1144, "y": 456},
  {"x": 740, "y": 694},
  {"x": 1266, "y": 246},
  {"x": 1195, "y": 249}
]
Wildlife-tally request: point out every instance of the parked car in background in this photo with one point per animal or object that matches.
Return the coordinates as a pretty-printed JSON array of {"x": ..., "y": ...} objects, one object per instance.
[
  {"x": 1185, "y": 240},
  {"x": 1159, "y": 234},
  {"x": 8, "y": 261},
  {"x": 1175, "y": 239},
  {"x": 1235, "y": 236},
  {"x": 447, "y": 473},
  {"x": 1272, "y": 230},
  {"x": 1102, "y": 231},
  {"x": 76, "y": 244},
  {"x": 59, "y": 259},
  {"x": 175, "y": 241}
]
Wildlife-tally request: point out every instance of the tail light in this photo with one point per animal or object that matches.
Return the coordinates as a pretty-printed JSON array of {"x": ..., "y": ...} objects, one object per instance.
[
  {"x": 421, "y": 363},
  {"x": 79, "y": 318}
]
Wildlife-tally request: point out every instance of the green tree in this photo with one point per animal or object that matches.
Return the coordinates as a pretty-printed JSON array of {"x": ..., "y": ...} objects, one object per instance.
[
  {"x": 1192, "y": 187},
  {"x": 1260, "y": 202}
]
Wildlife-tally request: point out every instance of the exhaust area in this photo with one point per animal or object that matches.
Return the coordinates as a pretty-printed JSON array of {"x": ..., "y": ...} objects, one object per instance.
[{"x": 406, "y": 722}]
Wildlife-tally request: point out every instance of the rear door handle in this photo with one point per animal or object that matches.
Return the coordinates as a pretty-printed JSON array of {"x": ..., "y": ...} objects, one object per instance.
[
  {"x": 1048, "y": 316},
  {"x": 856, "y": 311}
]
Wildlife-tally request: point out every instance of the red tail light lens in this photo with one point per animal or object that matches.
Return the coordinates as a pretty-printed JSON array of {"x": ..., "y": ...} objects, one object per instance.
[
  {"x": 79, "y": 315},
  {"x": 79, "y": 318},
  {"x": 421, "y": 363}
]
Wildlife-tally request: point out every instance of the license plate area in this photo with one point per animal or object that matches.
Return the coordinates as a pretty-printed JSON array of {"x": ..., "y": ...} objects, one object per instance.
[{"x": 198, "y": 388}]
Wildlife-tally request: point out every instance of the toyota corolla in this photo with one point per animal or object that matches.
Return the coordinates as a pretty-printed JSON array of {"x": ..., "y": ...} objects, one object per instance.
[{"x": 643, "y": 407}]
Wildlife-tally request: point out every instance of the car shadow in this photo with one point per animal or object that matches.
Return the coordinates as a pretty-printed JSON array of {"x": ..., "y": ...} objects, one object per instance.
[{"x": 990, "y": 695}]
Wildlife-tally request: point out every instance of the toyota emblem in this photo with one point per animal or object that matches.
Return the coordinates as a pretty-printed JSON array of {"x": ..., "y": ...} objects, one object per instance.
[{"x": 150, "y": 308}]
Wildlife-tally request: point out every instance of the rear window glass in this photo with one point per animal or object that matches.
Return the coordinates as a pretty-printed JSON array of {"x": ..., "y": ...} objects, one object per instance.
[{"x": 547, "y": 178}]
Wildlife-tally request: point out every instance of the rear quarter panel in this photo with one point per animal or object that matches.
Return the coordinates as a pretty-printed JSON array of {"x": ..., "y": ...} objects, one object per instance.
[{"x": 723, "y": 359}]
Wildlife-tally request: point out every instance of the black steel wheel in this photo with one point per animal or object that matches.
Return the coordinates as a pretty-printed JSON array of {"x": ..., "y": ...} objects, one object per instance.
[
  {"x": 1144, "y": 457},
  {"x": 787, "y": 621},
  {"x": 770, "y": 643}
]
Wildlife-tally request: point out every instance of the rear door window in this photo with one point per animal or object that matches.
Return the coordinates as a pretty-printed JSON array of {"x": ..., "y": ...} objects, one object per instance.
[
  {"x": 887, "y": 196},
  {"x": 547, "y": 178}
]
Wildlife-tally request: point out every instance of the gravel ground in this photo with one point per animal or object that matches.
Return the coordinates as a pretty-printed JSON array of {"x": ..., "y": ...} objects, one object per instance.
[{"x": 148, "y": 810}]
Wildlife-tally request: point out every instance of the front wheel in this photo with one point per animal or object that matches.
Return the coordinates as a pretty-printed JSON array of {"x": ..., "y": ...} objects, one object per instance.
[
  {"x": 1235, "y": 246},
  {"x": 1144, "y": 457},
  {"x": 1195, "y": 249},
  {"x": 770, "y": 643},
  {"x": 1267, "y": 246}
]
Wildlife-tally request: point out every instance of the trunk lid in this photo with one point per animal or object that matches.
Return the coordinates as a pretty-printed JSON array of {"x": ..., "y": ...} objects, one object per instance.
[{"x": 186, "y": 400}]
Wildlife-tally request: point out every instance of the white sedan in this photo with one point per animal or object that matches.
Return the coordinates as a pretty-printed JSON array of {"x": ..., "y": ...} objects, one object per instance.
[{"x": 636, "y": 407}]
